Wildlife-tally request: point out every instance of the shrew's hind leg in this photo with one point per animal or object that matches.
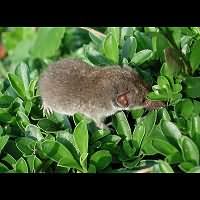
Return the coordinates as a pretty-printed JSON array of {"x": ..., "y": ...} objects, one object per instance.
[{"x": 46, "y": 110}]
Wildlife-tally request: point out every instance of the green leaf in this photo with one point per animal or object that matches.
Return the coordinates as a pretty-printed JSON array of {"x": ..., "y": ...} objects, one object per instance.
[
  {"x": 111, "y": 138},
  {"x": 33, "y": 132},
  {"x": 186, "y": 166},
  {"x": 143, "y": 40},
  {"x": 22, "y": 119},
  {"x": 47, "y": 42},
  {"x": 196, "y": 106},
  {"x": 185, "y": 108},
  {"x": 138, "y": 135},
  {"x": 99, "y": 134},
  {"x": 60, "y": 154},
  {"x": 164, "y": 147},
  {"x": 129, "y": 48},
  {"x": 171, "y": 132},
  {"x": 175, "y": 158},
  {"x": 96, "y": 37},
  {"x": 26, "y": 145},
  {"x": 48, "y": 125},
  {"x": 3, "y": 141},
  {"x": 6, "y": 101},
  {"x": 22, "y": 71},
  {"x": 83, "y": 161},
  {"x": 21, "y": 52},
  {"x": 195, "y": 170},
  {"x": 21, "y": 166},
  {"x": 165, "y": 167},
  {"x": 101, "y": 159},
  {"x": 131, "y": 164},
  {"x": 137, "y": 113},
  {"x": 15, "y": 35},
  {"x": 3, "y": 168},
  {"x": 192, "y": 87},
  {"x": 78, "y": 117},
  {"x": 149, "y": 122},
  {"x": 81, "y": 137},
  {"x": 194, "y": 56},
  {"x": 115, "y": 31},
  {"x": 121, "y": 125},
  {"x": 189, "y": 149},
  {"x": 141, "y": 57},
  {"x": 126, "y": 32},
  {"x": 34, "y": 163},
  {"x": 163, "y": 114},
  {"x": 28, "y": 106},
  {"x": 96, "y": 57},
  {"x": 17, "y": 85},
  {"x": 32, "y": 87},
  {"x": 111, "y": 50},
  {"x": 196, "y": 125},
  {"x": 1, "y": 130},
  {"x": 5, "y": 117},
  {"x": 163, "y": 82},
  {"x": 9, "y": 159},
  {"x": 91, "y": 168},
  {"x": 130, "y": 151},
  {"x": 159, "y": 43}
]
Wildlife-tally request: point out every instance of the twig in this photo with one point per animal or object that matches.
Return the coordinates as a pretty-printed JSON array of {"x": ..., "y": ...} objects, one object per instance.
[{"x": 93, "y": 31}]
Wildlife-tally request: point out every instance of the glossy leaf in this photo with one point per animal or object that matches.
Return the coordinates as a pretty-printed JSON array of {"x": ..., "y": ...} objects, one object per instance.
[
  {"x": 171, "y": 131},
  {"x": 141, "y": 57},
  {"x": 190, "y": 151},
  {"x": 163, "y": 147},
  {"x": 22, "y": 71},
  {"x": 47, "y": 42},
  {"x": 111, "y": 50},
  {"x": 121, "y": 125},
  {"x": 17, "y": 85},
  {"x": 194, "y": 56},
  {"x": 3, "y": 141},
  {"x": 81, "y": 137},
  {"x": 101, "y": 159},
  {"x": 59, "y": 153},
  {"x": 21, "y": 166},
  {"x": 33, "y": 132},
  {"x": 129, "y": 48}
]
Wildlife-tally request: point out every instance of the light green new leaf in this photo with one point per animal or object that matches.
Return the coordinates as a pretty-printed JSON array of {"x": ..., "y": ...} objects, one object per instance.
[
  {"x": 81, "y": 137},
  {"x": 22, "y": 71},
  {"x": 189, "y": 149},
  {"x": 121, "y": 125},
  {"x": 101, "y": 159},
  {"x": 17, "y": 85},
  {"x": 141, "y": 57},
  {"x": 21, "y": 166},
  {"x": 111, "y": 50},
  {"x": 47, "y": 42}
]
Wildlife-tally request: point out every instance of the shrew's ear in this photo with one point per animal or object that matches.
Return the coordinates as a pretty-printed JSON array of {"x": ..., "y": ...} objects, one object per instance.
[{"x": 122, "y": 99}]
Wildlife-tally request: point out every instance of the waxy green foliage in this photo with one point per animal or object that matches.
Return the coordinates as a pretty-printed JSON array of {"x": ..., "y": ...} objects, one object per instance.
[{"x": 167, "y": 58}]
